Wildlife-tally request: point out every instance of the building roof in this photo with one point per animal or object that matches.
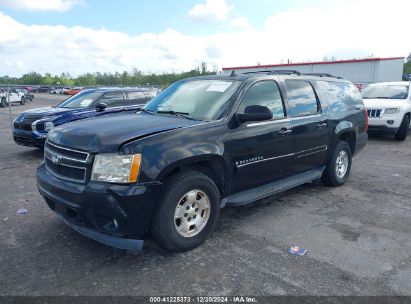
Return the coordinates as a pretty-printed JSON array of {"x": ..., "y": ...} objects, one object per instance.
[{"x": 312, "y": 63}]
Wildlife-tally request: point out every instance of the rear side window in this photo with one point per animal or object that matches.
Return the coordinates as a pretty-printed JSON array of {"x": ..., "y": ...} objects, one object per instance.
[
  {"x": 264, "y": 93},
  {"x": 135, "y": 98},
  {"x": 301, "y": 98},
  {"x": 340, "y": 96},
  {"x": 113, "y": 99}
]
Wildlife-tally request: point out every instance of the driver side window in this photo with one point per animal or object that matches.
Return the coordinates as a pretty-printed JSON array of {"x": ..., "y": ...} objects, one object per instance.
[
  {"x": 113, "y": 99},
  {"x": 264, "y": 93}
]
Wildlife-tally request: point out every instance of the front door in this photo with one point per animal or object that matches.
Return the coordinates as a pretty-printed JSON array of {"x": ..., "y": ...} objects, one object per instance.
[{"x": 261, "y": 152}]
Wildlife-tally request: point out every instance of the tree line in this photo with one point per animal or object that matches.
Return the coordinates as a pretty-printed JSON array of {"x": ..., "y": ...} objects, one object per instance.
[{"x": 134, "y": 78}]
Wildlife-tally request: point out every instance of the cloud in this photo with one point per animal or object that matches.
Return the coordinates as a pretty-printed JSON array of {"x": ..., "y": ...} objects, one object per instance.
[
  {"x": 240, "y": 22},
  {"x": 299, "y": 35},
  {"x": 44, "y": 5},
  {"x": 211, "y": 10}
]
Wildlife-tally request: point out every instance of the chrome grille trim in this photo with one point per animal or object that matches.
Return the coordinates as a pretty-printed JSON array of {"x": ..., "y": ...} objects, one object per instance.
[
  {"x": 67, "y": 149},
  {"x": 68, "y": 161},
  {"x": 375, "y": 113}
]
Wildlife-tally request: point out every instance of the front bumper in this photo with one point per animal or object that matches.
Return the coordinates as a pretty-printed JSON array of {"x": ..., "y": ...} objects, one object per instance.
[
  {"x": 29, "y": 138},
  {"x": 382, "y": 129},
  {"x": 116, "y": 215}
]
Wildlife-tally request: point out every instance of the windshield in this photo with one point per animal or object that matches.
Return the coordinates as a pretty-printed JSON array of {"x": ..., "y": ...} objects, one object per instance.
[
  {"x": 386, "y": 91},
  {"x": 197, "y": 99},
  {"x": 80, "y": 100}
]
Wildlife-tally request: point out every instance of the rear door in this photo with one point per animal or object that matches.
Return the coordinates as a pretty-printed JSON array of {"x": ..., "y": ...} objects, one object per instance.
[
  {"x": 261, "y": 152},
  {"x": 310, "y": 126}
]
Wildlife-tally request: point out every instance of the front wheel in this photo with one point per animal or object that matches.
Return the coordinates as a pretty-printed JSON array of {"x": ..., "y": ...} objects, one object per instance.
[
  {"x": 188, "y": 211},
  {"x": 22, "y": 101},
  {"x": 339, "y": 167},
  {"x": 403, "y": 130}
]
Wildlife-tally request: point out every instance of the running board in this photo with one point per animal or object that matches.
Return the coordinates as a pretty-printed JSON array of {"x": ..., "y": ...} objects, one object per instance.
[{"x": 255, "y": 194}]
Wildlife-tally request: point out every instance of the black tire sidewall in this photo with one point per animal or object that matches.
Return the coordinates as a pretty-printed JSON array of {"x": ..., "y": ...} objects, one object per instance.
[
  {"x": 403, "y": 129},
  {"x": 330, "y": 177},
  {"x": 22, "y": 101},
  {"x": 3, "y": 102},
  {"x": 164, "y": 229},
  {"x": 342, "y": 146}
]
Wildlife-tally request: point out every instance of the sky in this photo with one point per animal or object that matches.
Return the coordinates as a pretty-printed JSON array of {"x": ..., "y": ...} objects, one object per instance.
[{"x": 79, "y": 36}]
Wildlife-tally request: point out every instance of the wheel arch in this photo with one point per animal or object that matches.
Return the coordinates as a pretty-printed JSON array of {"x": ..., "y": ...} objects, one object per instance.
[
  {"x": 213, "y": 166},
  {"x": 345, "y": 131}
]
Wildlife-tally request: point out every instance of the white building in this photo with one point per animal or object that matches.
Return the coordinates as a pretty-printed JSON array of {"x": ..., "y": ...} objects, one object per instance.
[{"x": 360, "y": 71}]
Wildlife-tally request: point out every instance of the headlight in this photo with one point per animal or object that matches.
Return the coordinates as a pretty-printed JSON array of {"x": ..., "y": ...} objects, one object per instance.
[
  {"x": 391, "y": 110},
  {"x": 116, "y": 168},
  {"x": 48, "y": 125}
]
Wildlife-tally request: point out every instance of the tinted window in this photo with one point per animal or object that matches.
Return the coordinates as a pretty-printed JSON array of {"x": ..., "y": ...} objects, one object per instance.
[
  {"x": 340, "y": 96},
  {"x": 265, "y": 93},
  {"x": 135, "y": 98},
  {"x": 301, "y": 98},
  {"x": 113, "y": 99}
]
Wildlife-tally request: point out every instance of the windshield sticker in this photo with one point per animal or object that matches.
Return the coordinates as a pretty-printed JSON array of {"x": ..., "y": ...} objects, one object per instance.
[
  {"x": 86, "y": 102},
  {"x": 219, "y": 86}
]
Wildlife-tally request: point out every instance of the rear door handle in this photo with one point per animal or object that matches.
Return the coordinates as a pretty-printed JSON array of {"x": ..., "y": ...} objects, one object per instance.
[
  {"x": 322, "y": 125},
  {"x": 285, "y": 131}
]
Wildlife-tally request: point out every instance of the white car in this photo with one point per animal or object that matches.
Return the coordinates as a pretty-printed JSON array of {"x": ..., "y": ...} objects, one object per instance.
[
  {"x": 389, "y": 107},
  {"x": 15, "y": 97}
]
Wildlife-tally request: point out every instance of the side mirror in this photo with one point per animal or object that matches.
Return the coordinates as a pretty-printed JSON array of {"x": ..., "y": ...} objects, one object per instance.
[
  {"x": 255, "y": 113},
  {"x": 101, "y": 107}
]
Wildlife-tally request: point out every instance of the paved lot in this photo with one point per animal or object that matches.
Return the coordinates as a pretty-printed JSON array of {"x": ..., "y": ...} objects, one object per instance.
[{"x": 358, "y": 237}]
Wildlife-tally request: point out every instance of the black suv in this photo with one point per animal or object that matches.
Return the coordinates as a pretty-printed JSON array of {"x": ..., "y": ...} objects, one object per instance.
[{"x": 201, "y": 144}]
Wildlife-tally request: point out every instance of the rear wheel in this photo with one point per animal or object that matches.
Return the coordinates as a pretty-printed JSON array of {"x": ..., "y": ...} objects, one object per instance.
[
  {"x": 22, "y": 101},
  {"x": 403, "y": 130},
  {"x": 188, "y": 212},
  {"x": 339, "y": 167},
  {"x": 4, "y": 102}
]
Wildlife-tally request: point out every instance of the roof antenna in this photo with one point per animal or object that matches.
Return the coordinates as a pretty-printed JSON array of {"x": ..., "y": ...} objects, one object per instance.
[{"x": 233, "y": 73}]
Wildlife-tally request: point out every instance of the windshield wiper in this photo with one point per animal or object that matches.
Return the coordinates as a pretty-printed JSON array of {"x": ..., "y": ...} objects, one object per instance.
[{"x": 176, "y": 113}]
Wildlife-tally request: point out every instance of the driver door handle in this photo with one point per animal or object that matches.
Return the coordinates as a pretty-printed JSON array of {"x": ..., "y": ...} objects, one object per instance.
[
  {"x": 285, "y": 131},
  {"x": 322, "y": 124}
]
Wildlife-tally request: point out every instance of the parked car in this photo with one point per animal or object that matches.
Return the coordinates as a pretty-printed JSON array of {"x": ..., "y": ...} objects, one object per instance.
[
  {"x": 30, "y": 128},
  {"x": 73, "y": 91},
  {"x": 59, "y": 90},
  {"x": 27, "y": 95},
  {"x": 15, "y": 97},
  {"x": 43, "y": 89},
  {"x": 389, "y": 108},
  {"x": 201, "y": 144}
]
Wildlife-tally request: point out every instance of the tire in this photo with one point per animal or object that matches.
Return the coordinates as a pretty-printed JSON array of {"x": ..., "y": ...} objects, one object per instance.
[
  {"x": 183, "y": 191},
  {"x": 4, "y": 103},
  {"x": 338, "y": 168},
  {"x": 22, "y": 101},
  {"x": 403, "y": 129}
]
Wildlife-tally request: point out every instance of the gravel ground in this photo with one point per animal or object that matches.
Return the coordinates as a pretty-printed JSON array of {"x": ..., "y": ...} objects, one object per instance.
[{"x": 358, "y": 237}]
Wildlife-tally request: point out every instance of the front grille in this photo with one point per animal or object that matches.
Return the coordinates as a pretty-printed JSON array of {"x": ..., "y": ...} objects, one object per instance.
[
  {"x": 29, "y": 119},
  {"x": 67, "y": 152},
  {"x": 66, "y": 163},
  {"x": 375, "y": 113},
  {"x": 22, "y": 126}
]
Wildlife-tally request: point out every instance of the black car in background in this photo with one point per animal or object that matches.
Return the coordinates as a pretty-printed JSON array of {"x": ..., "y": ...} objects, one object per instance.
[
  {"x": 30, "y": 128},
  {"x": 201, "y": 144}
]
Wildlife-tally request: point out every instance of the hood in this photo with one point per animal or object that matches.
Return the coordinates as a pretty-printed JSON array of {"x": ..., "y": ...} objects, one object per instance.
[
  {"x": 50, "y": 111},
  {"x": 107, "y": 134},
  {"x": 377, "y": 103}
]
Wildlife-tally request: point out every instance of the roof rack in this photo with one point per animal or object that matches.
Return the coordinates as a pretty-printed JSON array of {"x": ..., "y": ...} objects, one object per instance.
[
  {"x": 323, "y": 75},
  {"x": 273, "y": 72},
  {"x": 287, "y": 72}
]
